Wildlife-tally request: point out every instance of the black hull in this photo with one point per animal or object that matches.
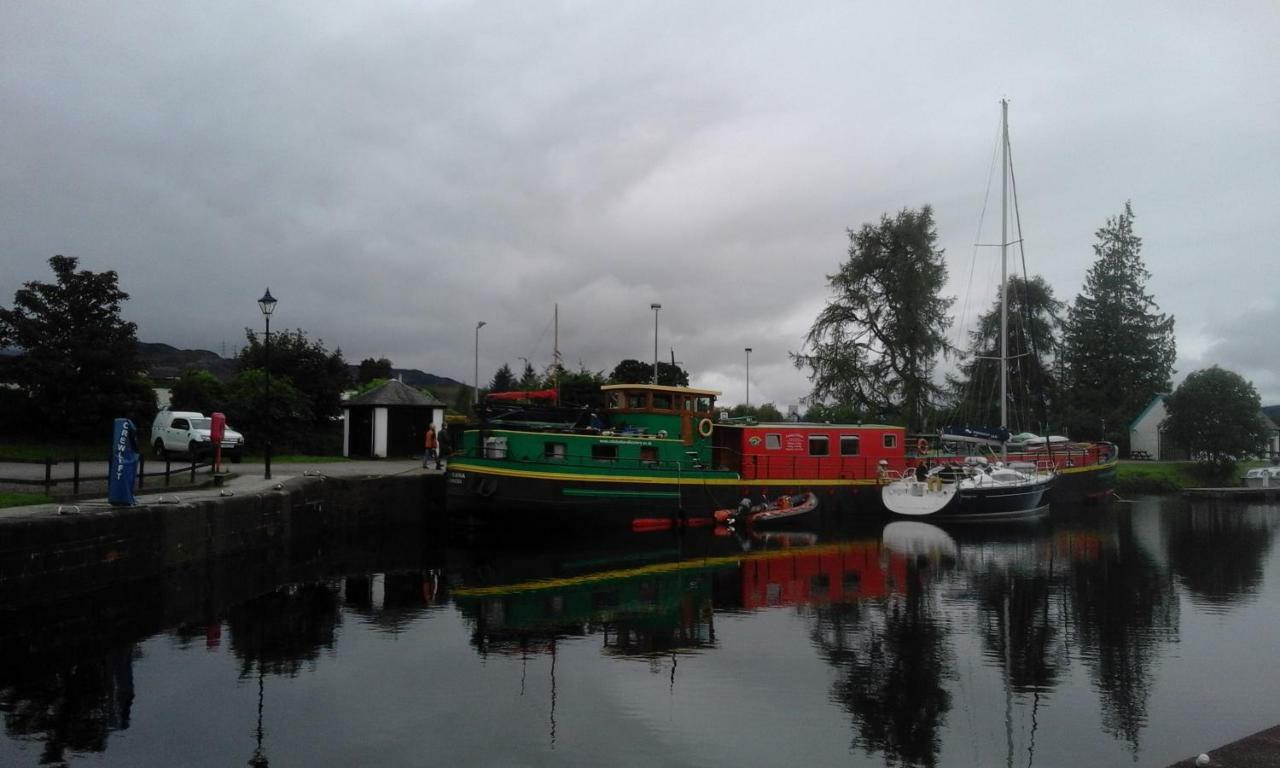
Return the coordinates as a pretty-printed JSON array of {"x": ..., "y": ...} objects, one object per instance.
[
  {"x": 585, "y": 502},
  {"x": 1083, "y": 486},
  {"x": 997, "y": 503}
]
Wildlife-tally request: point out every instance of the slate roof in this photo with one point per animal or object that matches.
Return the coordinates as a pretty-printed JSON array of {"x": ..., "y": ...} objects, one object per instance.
[{"x": 394, "y": 393}]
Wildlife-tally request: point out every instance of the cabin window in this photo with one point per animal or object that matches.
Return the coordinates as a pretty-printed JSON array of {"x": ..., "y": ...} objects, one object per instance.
[
  {"x": 601, "y": 452},
  {"x": 704, "y": 405},
  {"x": 662, "y": 400},
  {"x": 773, "y": 442},
  {"x": 849, "y": 445},
  {"x": 637, "y": 400},
  {"x": 890, "y": 440},
  {"x": 553, "y": 451},
  {"x": 818, "y": 445},
  {"x": 648, "y": 454}
]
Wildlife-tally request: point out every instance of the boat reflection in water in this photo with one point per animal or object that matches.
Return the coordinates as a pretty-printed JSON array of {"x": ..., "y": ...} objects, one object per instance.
[{"x": 909, "y": 643}]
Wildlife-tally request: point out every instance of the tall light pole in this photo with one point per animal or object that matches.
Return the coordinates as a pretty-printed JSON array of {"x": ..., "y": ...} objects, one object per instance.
[
  {"x": 475, "y": 394},
  {"x": 748, "y": 377},
  {"x": 655, "y": 307},
  {"x": 268, "y": 305}
]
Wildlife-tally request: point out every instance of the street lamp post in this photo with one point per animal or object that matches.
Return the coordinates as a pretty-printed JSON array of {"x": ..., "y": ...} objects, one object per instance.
[
  {"x": 748, "y": 377},
  {"x": 475, "y": 394},
  {"x": 268, "y": 305},
  {"x": 655, "y": 307}
]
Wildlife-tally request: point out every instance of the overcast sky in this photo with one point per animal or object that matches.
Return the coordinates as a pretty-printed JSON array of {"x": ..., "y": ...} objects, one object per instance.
[{"x": 396, "y": 172}]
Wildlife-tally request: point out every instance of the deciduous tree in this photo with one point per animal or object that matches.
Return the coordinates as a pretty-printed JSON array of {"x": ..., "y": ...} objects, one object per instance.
[
  {"x": 79, "y": 364},
  {"x": 873, "y": 348},
  {"x": 371, "y": 369},
  {"x": 197, "y": 390},
  {"x": 318, "y": 375},
  {"x": 639, "y": 372},
  {"x": 1215, "y": 414}
]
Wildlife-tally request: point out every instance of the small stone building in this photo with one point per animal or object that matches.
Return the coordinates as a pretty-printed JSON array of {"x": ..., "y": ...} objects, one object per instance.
[{"x": 388, "y": 421}]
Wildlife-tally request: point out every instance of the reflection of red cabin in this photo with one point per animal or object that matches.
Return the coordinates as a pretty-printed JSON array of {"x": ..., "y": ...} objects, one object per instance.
[
  {"x": 842, "y": 576},
  {"x": 788, "y": 451}
]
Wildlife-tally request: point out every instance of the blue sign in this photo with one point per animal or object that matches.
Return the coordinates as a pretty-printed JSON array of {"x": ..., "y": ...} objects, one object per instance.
[{"x": 123, "y": 469}]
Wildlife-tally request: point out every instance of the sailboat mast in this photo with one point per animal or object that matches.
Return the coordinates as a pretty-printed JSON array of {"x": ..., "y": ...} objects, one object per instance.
[
  {"x": 1004, "y": 264},
  {"x": 555, "y": 355}
]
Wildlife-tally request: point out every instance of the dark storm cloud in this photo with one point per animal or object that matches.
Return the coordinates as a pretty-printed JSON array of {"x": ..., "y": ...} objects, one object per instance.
[{"x": 396, "y": 173}]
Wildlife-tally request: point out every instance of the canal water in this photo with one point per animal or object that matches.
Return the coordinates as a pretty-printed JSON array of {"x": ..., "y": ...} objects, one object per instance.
[{"x": 1130, "y": 634}]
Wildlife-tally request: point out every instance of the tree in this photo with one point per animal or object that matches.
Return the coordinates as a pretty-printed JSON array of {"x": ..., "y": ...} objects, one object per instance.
[
  {"x": 1118, "y": 348},
  {"x": 80, "y": 366},
  {"x": 292, "y": 422},
  {"x": 529, "y": 380},
  {"x": 1033, "y": 347},
  {"x": 873, "y": 347},
  {"x": 637, "y": 372},
  {"x": 318, "y": 375},
  {"x": 1214, "y": 413},
  {"x": 766, "y": 412},
  {"x": 371, "y": 369},
  {"x": 197, "y": 390},
  {"x": 503, "y": 380}
]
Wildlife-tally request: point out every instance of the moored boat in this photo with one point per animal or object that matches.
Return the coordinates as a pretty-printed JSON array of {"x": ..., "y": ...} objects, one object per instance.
[{"x": 656, "y": 451}]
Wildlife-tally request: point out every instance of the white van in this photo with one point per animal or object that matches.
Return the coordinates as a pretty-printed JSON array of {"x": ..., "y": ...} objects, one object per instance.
[{"x": 189, "y": 432}]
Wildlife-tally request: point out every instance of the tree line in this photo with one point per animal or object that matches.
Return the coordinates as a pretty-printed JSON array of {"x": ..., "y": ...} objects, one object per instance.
[{"x": 1084, "y": 369}]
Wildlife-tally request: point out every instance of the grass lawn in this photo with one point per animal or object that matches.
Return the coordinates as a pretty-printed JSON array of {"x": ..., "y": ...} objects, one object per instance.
[
  {"x": 1172, "y": 476},
  {"x": 22, "y": 499}
]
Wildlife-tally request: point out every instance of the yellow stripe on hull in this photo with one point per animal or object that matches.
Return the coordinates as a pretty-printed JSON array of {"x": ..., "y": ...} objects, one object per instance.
[{"x": 729, "y": 481}]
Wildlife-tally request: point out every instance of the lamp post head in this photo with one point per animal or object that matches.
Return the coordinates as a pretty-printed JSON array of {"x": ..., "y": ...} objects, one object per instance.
[
  {"x": 480, "y": 325},
  {"x": 655, "y": 306},
  {"x": 267, "y": 303},
  {"x": 748, "y": 350}
]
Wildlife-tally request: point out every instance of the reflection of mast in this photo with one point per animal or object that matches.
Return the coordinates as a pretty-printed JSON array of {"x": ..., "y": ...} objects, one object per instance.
[
  {"x": 553, "y": 693},
  {"x": 259, "y": 759},
  {"x": 1008, "y": 683}
]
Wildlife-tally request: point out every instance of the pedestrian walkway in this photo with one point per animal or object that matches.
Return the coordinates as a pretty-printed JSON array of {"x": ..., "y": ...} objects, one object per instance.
[{"x": 238, "y": 480}]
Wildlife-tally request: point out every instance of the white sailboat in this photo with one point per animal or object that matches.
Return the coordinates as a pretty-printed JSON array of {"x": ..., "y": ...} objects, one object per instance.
[{"x": 977, "y": 489}]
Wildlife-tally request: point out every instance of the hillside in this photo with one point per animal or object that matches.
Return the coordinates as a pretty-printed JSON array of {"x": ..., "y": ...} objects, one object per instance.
[{"x": 163, "y": 362}]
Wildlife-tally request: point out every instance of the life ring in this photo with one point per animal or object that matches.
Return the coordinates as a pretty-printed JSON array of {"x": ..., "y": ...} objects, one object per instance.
[
  {"x": 922, "y": 446},
  {"x": 704, "y": 427}
]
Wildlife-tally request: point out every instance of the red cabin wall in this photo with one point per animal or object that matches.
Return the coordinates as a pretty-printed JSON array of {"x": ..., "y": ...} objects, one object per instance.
[{"x": 792, "y": 459}]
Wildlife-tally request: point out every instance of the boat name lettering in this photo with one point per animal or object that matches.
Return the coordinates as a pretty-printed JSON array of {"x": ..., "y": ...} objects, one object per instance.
[{"x": 625, "y": 442}]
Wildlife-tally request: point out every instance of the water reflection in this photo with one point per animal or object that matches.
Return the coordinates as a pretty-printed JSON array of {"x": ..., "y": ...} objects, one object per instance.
[
  {"x": 1217, "y": 550},
  {"x": 906, "y": 623}
]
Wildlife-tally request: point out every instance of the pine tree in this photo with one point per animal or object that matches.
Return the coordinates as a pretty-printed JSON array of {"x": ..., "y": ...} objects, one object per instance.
[
  {"x": 872, "y": 349},
  {"x": 503, "y": 380},
  {"x": 1119, "y": 348},
  {"x": 1033, "y": 349}
]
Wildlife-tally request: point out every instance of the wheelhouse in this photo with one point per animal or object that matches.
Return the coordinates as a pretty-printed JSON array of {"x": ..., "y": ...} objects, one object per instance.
[{"x": 680, "y": 413}]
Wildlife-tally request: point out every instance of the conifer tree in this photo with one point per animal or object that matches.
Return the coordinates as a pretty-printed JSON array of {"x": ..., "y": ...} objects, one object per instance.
[
  {"x": 1033, "y": 351},
  {"x": 1119, "y": 347}
]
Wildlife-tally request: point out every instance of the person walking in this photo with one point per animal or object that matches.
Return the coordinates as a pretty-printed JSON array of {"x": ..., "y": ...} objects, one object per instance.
[
  {"x": 430, "y": 444},
  {"x": 445, "y": 446}
]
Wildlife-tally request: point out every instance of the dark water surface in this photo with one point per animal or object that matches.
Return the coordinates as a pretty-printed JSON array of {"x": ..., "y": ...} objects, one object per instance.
[{"x": 1135, "y": 634}]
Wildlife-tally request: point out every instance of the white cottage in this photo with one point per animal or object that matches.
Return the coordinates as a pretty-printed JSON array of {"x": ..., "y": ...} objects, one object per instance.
[{"x": 1146, "y": 433}]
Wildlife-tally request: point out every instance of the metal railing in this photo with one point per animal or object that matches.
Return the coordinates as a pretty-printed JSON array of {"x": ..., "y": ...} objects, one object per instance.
[{"x": 49, "y": 480}]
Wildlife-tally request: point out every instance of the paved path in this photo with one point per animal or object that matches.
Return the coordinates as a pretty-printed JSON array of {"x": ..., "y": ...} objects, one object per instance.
[{"x": 240, "y": 479}]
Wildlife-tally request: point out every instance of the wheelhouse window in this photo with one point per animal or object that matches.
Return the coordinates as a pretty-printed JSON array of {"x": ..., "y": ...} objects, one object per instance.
[
  {"x": 604, "y": 452},
  {"x": 637, "y": 400},
  {"x": 849, "y": 445},
  {"x": 890, "y": 440},
  {"x": 704, "y": 404},
  {"x": 553, "y": 451},
  {"x": 662, "y": 400},
  {"x": 773, "y": 441},
  {"x": 819, "y": 445}
]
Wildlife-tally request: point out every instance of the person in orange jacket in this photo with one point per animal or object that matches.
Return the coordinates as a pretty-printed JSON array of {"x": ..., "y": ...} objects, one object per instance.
[{"x": 430, "y": 444}]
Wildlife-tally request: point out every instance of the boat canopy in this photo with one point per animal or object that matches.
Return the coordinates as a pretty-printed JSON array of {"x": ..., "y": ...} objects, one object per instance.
[{"x": 541, "y": 394}]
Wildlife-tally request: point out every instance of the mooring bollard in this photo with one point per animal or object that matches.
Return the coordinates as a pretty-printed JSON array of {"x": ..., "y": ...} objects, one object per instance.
[{"x": 75, "y": 476}]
